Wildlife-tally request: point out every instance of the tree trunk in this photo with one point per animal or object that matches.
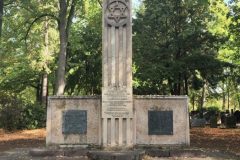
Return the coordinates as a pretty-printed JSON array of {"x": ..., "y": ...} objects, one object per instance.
[
  {"x": 1, "y": 17},
  {"x": 186, "y": 84},
  {"x": 202, "y": 100},
  {"x": 45, "y": 75},
  {"x": 193, "y": 102},
  {"x": 38, "y": 91},
  {"x": 60, "y": 77},
  {"x": 228, "y": 100},
  {"x": 224, "y": 99},
  {"x": 64, "y": 27}
]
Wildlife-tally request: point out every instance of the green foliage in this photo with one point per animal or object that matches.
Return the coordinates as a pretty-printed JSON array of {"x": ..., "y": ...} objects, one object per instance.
[
  {"x": 15, "y": 113},
  {"x": 208, "y": 112},
  {"x": 213, "y": 109},
  {"x": 174, "y": 50},
  {"x": 84, "y": 53},
  {"x": 180, "y": 47}
]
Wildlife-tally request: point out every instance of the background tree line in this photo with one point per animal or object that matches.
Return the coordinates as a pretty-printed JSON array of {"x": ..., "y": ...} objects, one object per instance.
[{"x": 53, "y": 47}]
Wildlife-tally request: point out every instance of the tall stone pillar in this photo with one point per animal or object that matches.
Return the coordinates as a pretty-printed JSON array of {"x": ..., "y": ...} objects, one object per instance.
[{"x": 117, "y": 96}]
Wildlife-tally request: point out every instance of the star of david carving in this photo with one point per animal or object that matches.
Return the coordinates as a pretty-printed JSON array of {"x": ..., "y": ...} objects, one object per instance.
[{"x": 117, "y": 12}]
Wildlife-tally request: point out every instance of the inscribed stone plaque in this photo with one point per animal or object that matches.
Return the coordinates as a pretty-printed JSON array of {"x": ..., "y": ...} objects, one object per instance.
[
  {"x": 74, "y": 122},
  {"x": 160, "y": 122},
  {"x": 117, "y": 103}
]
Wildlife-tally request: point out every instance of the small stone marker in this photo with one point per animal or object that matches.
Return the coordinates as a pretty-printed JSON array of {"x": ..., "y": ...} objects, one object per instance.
[
  {"x": 74, "y": 122},
  {"x": 160, "y": 122}
]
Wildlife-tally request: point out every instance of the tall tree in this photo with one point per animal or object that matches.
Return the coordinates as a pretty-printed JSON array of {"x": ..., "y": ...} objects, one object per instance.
[
  {"x": 45, "y": 74},
  {"x": 65, "y": 22},
  {"x": 84, "y": 51},
  {"x": 1, "y": 16},
  {"x": 173, "y": 47}
]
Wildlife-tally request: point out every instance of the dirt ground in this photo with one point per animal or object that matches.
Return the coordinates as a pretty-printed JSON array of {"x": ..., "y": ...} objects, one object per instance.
[
  {"x": 22, "y": 139},
  {"x": 223, "y": 140},
  {"x": 227, "y": 140}
]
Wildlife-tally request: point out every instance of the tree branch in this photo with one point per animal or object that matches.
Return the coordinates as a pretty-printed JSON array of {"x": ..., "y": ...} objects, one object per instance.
[
  {"x": 70, "y": 16},
  {"x": 9, "y": 3},
  {"x": 37, "y": 19},
  {"x": 100, "y": 3}
]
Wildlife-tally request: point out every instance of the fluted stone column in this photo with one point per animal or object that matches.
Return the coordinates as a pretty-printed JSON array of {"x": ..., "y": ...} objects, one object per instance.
[{"x": 117, "y": 96}]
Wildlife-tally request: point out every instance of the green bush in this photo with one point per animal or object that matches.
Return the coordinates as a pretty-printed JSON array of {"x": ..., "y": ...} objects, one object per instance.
[
  {"x": 34, "y": 116},
  {"x": 211, "y": 112},
  {"x": 15, "y": 114}
]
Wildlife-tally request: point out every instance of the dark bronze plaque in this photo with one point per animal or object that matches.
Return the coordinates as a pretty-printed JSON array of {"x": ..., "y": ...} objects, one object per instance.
[
  {"x": 160, "y": 122},
  {"x": 74, "y": 122}
]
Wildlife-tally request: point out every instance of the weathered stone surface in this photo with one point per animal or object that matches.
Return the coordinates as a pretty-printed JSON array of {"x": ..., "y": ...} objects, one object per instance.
[
  {"x": 157, "y": 153},
  {"x": 178, "y": 105},
  {"x": 58, "y": 105},
  {"x": 64, "y": 152},
  {"x": 117, "y": 99},
  {"x": 120, "y": 155},
  {"x": 117, "y": 93}
]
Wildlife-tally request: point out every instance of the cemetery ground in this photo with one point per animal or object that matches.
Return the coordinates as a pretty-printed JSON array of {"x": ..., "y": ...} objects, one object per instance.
[{"x": 221, "y": 143}]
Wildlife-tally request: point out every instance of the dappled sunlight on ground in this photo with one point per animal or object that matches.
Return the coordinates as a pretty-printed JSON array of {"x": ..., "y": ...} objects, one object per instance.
[
  {"x": 25, "y": 134},
  {"x": 216, "y": 139},
  {"x": 22, "y": 139}
]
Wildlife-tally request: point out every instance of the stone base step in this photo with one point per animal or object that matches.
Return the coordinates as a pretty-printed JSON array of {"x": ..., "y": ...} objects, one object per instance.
[{"x": 116, "y": 155}]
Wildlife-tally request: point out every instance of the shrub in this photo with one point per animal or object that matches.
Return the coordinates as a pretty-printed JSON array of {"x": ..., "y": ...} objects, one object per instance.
[
  {"x": 211, "y": 112},
  {"x": 18, "y": 114},
  {"x": 34, "y": 116}
]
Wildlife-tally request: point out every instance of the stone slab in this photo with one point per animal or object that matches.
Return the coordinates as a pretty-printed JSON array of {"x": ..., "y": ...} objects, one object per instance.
[
  {"x": 59, "y": 104},
  {"x": 117, "y": 103},
  {"x": 177, "y": 104},
  {"x": 139, "y": 124},
  {"x": 116, "y": 155}
]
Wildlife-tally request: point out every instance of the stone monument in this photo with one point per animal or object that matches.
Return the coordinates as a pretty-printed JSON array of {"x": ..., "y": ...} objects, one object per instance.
[
  {"x": 117, "y": 118},
  {"x": 117, "y": 96}
]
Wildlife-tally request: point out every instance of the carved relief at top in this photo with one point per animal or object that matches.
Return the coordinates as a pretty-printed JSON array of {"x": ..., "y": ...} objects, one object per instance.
[{"x": 117, "y": 13}]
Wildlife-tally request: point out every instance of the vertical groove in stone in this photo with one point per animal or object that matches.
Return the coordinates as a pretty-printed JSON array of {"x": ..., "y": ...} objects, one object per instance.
[
  {"x": 120, "y": 56},
  {"x": 109, "y": 56},
  {"x": 128, "y": 132},
  {"x": 132, "y": 131},
  {"x": 113, "y": 51},
  {"x": 113, "y": 132},
  {"x": 124, "y": 131},
  {"x": 120, "y": 134},
  {"x": 117, "y": 131},
  {"x": 124, "y": 55},
  {"x": 104, "y": 129},
  {"x": 117, "y": 55},
  {"x": 109, "y": 131}
]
